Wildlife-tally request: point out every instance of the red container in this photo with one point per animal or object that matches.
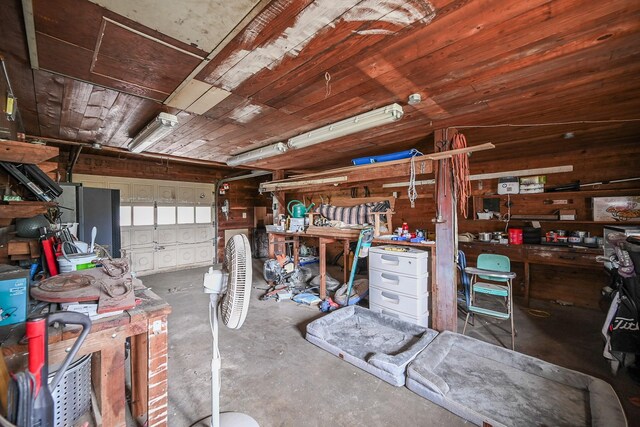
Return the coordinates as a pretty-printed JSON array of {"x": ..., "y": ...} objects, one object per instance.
[{"x": 515, "y": 236}]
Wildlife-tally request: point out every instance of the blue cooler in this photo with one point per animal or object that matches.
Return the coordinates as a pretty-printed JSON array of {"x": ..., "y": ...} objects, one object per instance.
[{"x": 14, "y": 294}]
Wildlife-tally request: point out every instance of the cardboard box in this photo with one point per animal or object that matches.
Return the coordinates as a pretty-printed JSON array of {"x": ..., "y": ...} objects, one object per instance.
[
  {"x": 14, "y": 294},
  {"x": 567, "y": 214}
]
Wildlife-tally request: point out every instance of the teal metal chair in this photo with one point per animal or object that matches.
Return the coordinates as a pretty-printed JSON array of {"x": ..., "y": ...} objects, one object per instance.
[{"x": 492, "y": 276}]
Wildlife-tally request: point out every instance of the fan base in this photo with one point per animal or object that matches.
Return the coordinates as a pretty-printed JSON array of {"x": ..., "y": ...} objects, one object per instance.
[{"x": 237, "y": 419}]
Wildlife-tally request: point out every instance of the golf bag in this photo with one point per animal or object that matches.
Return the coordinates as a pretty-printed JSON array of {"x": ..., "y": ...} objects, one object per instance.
[{"x": 622, "y": 328}]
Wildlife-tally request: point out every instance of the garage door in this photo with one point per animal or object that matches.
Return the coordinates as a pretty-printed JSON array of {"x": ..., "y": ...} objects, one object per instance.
[{"x": 165, "y": 225}]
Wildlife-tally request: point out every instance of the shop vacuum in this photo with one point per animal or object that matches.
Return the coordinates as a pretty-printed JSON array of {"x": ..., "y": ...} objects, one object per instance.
[{"x": 30, "y": 403}]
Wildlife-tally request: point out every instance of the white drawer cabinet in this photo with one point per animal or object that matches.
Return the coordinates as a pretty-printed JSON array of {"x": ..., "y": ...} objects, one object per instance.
[
  {"x": 399, "y": 302},
  {"x": 422, "y": 320},
  {"x": 399, "y": 283},
  {"x": 412, "y": 263}
]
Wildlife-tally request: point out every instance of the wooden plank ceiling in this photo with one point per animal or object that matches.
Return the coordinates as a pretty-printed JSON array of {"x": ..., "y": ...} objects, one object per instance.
[{"x": 300, "y": 64}]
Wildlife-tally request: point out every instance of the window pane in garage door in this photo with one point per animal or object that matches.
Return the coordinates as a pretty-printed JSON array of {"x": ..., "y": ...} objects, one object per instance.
[
  {"x": 125, "y": 216},
  {"x": 143, "y": 215},
  {"x": 203, "y": 214},
  {"x": 185, "y": 214},
  {"x": 166, "y": 215}
]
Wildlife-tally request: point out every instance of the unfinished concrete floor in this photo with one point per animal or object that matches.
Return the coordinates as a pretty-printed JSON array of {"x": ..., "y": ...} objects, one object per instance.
[{"x": 272, "y": 373}]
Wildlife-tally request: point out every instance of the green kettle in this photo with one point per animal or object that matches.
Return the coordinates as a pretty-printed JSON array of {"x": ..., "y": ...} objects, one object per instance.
[{"x": 298, "y": 210}]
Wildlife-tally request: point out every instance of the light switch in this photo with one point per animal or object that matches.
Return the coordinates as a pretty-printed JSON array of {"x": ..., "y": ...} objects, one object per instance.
[{"x": 244, "y": 215}]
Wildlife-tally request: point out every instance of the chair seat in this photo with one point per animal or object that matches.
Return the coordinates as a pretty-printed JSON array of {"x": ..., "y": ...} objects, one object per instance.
[
  {"x": 488, "y": 312},
  {"x": 491, "y": 289}
]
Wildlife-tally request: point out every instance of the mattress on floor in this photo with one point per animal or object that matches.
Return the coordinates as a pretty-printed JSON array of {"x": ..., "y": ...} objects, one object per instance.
[
  {"x": 381, "y": 345},
  {"x": 485, "y": 383}
]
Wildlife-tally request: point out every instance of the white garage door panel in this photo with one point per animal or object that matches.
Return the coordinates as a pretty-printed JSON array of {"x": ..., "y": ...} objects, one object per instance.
[
  {"x": 186, "y": 195},
  {"x": 204, "y": 233},
  {"x": 204, "y": 196},
  {"x": 125, "y": 190},
  {"x": 142, "y": 260},
  {"x": 125, "y": 238},
  {"x": 143, "y": 193},
  {"x": 166, "y": 193},
  {"x": 204, "y": 253},
  {"x": 186, "y": 255},
  {"x": 166, "y": 258},
  {"x": 186, "y": 234},
  {"x": 167, "y": 235},
  {"x": 142, "y": 236}
]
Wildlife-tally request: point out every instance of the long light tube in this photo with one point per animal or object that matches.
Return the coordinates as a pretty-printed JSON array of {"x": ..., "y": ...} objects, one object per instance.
[
  {"x": 359, "y": 123},
  {"x": 160, "y": 127},
  {"x": 258, "y": 154}
]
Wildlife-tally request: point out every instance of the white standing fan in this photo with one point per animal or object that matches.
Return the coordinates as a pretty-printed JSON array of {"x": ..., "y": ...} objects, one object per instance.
[{"x": 231, "y": 287}]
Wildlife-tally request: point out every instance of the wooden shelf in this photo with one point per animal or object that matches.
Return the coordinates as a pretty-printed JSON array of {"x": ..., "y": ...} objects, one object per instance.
[
  {"x": 567, "y": 194},
  {"x": 557, "y": 220}
]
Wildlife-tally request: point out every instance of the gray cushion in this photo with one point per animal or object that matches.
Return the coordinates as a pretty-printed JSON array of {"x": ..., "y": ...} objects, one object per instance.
[
  {"x": 379, "y": 344},
  {"x": 485, "y": 383}
]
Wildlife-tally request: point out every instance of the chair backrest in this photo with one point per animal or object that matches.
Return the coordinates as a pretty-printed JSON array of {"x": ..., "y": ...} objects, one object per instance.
[{"x": 493, "y": 262}]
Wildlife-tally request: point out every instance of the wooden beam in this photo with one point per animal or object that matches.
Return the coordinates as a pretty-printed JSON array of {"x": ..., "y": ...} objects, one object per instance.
[
  {"x": 354, "y": 174},
  {"x": 443, "y": 287},
  {"x": 24, "y": 209},
  {"x": 25, "y": 152},
  {"x": 370, "y": 172}
]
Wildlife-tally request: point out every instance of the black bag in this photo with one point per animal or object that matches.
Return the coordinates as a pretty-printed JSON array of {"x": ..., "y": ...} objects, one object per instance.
[{"x": 625, "y": 328}]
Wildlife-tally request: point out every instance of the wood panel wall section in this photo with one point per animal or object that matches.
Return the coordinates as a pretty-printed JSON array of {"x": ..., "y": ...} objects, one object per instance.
[
  {"x": 131, "y": 166},
  {"x": 592, "y": 162},
  {"x": 243, "y": 196}
]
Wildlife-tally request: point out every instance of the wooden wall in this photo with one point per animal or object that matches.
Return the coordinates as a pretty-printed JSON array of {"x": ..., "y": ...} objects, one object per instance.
[
  {"x": 243, "y": 196},
  {"x": 591, "y": 161}
]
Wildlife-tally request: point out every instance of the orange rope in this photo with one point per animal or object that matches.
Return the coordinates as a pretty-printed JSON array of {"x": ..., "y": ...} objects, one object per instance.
[{"x": 462, "y": 184}]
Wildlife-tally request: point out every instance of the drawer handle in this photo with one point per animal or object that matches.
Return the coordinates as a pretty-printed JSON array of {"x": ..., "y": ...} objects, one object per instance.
[
  {"x": 390, "y": 313},
  {"x": 392, "y": 298},
  {"x": 566, "y": 257},
  {"x": 389, "y": 259},
  {"x": 390, "y": 279}
]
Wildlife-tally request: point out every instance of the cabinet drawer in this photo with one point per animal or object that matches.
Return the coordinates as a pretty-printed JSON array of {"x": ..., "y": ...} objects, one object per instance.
[
  {"x": 541, "y": 256},
  {"x": 422, "y": 320},
  {"x": 399, "y": 302},
  {"x": 409, "y": 285},
  {"x": 395, "y": 263}
]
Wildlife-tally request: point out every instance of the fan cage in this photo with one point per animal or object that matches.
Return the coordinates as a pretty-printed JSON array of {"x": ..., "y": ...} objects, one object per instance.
[{"x": 238, "y": 263}]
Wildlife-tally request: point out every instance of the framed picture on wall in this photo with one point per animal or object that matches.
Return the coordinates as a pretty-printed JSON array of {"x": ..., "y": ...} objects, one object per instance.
[{"x": 621, "y": 209}]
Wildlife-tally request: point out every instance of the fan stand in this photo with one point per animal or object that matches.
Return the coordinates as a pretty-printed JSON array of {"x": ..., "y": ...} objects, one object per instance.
[{"x": 226, "y": 419}]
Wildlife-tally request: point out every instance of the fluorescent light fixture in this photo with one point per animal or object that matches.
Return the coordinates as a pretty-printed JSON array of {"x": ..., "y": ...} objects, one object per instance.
[
  {"x": 257, "y": 154},
  {"x": 359, "y": 123},
  {"x": 160, "y": 127}
]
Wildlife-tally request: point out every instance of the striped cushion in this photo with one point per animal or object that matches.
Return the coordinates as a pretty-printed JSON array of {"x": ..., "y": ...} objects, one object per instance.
[{"x": 359, "y": 214}]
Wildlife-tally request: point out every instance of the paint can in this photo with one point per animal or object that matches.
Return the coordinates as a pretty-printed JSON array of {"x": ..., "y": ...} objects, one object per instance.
[{"x": 515, "y": 236}]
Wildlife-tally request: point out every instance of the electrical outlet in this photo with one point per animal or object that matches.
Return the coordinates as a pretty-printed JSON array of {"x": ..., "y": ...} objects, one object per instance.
[{"x": 244, "y": 215}]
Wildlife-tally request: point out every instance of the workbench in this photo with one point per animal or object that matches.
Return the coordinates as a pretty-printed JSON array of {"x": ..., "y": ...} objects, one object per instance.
[
  {"x": 281, "y": 238},
  {"x": 527, "y": 254},
  {"x": 146, "y": 326}
]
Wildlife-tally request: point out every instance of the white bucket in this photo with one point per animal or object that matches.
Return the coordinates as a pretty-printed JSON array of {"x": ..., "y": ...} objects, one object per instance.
[{"x": 75, "y": 262}]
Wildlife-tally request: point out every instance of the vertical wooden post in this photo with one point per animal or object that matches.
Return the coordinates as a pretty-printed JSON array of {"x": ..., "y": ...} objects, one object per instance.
[
  {"x": 279, "y": 174},
  {"x": 444, "y": 286}
]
